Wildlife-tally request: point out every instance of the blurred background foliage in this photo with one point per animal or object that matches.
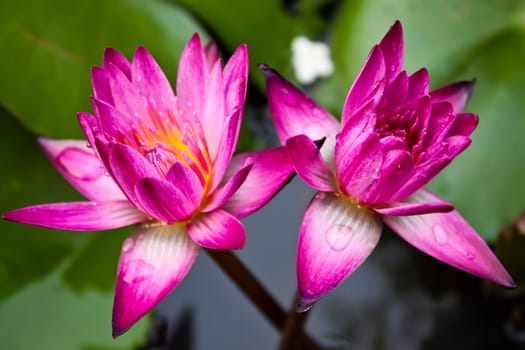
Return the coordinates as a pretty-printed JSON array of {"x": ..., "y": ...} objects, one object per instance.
[{"x": 58, "y": 285}]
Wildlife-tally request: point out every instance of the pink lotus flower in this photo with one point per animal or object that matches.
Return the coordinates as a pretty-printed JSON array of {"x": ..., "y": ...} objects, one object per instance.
[
  {"x": 394, "y": 137},
  {"x": 165, "y": 162}
]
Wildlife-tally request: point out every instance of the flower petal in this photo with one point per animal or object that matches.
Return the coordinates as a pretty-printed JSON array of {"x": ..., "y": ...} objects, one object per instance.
[
  {"x": 407, "y": 209},
  {"x": 80, "y": 166},
  {"x": 457, "y": 94},
  {"x": 367, "y": 89},
  {"x": 127, "y": 167},
  {"x": 309, "y": 163},
  {"x": 222, "y": 194},
  {"x": 392, "y": 47},
  {"x": 153, "y": 261},
  {"x": 271, "y": 170},
  {"x": 418, "y": 84},
  {"x": 192, "y": 79},
  {"x": 449, "y": 238},
  {"x": 112, "y": 56},
  {"x": 335, "y": 239},
  {"x": 293, "y": 112},
  {"x": 150, "y": 81},
  {"x": 211, "y": 51},
  {"x": 236, "y": 78},
  {"x": 217, "y": 230},
  {"x": 78, "y": 216},
  {"x": 164, "y": 201},
  {"x": 186, "y": 181},
  {"x": 358, "y": 166}
]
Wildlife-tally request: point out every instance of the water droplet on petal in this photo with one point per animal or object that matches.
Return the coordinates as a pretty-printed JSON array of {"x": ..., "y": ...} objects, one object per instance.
[
  {"x": 288, "y": 98},
  {"x": 440, "y": 234},
  {"x": 471, "y": 256},
  {"x": 127, "y": 245},
  {"x": 303, "y": 307},
  {"x": 338, "y": 236}
]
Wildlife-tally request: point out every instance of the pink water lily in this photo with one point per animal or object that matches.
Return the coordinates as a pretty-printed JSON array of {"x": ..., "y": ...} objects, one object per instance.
[
  {"x": 164, "y": 162},
  {"x": 393, "y": 138}
]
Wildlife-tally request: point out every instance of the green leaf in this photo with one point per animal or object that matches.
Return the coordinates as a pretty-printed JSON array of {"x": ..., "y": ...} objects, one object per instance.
[
  {"x": 28, "y": 253},
  {"x": 48, "y": 316},
  {"x": 264, "y": 25},
  {"x": 49, "y": 47}
]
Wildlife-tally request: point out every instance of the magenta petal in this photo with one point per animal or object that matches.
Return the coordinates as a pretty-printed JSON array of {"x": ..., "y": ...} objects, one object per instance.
[
  {"x": 114, "y": 57},
  {"x": 153, "y": 261},
  {"x": 418, "y": 84},
  {"x": 211, "y": 51},
  {"x": 293, "y": 112},
  {"x": 164, "y": 201},
  {"x": 271, "y": 170},
  {"x": 186, "y": 181},
  {"x": 150, "y": 81},
  {"x": 192, "y": 79},
  {"x": 464, "y": 124},
  {"x": 449, "y": 238},
  {"x": 392, "y": 47},
  {"x": 357, "y": 167},
  {"x": 236, "y": 78},
  {"x": 367, "y": 88},
  {"x": 222, "y": 194},
  {"x": 128, "y": 166},
  {"x": 81, "y": 167},
  {"x": 407, "y": 209},
  {"x": 100, "y": 82},
  {"x": 309, "y": 163},
  {"x": 78, "y": 216},
  {"x": 457, "y": 94},
  {"x": 335, "y": 239},
  {"x": 217, "y": 230}
]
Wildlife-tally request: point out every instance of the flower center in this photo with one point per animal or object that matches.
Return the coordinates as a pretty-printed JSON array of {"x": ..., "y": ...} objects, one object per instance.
[{"x": 165, "y": 142}]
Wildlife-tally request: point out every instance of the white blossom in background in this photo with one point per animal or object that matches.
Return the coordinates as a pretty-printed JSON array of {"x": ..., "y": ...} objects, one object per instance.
[{"x": 310, "y": 60}]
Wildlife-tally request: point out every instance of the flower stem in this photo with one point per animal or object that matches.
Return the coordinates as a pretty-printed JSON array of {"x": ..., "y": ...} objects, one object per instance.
[
  {"x": 293, "y": 327},
  {"x": 255, "y": 291}
]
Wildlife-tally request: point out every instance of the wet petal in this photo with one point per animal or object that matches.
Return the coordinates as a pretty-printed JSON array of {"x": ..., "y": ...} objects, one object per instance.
[
  {"x": 367, "y": 89},
  {"x": 309, "y": 163},
  {"x": 293, "y": 112},
  {"x": 80, "y": 166},
  {"x": 217, "y": 230},
  {"x": 335, "y": 239},
  {"x": 407, "y": 209},
  {"x": 153, "y": 261},
  {"x": 449, "y": 238},
  {"x": 213, "y": 118},
  {"x": 78, "y": 216},
  {"x": 150, "y": 81},
  {"x": 236, "y": 78},
  {"x": 271, "y": 170},
  {"x": 392, "y": 47},
  {"x": 112, "y": 56},
  {"x": 186, "y": 181}
]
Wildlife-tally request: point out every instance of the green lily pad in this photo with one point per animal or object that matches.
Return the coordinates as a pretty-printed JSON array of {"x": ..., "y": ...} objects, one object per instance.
[{"x": 49, "y": 47}]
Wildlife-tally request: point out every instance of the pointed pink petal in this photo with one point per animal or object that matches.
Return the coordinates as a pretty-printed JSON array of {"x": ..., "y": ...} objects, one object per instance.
[
  {"x": 150, "y": 81},
  {"x": 100, "y": 83},
  {"x": 367, "y": 89},
  {"x": 192, "y": 79},
  {"x": 449, "y": 238},
  {"x": 457, "y": 94},
  {"x": 309, "y": 163},
  {"x": 358, "y": 166},
  {"x": 392, "y": 47},
  {"x": 464, "y": 124},
  {"x": 186, "y": 181},
  {"x": 111, "y": 120},
  {"x": 335, "y": 239},
  {"x": 271, "y": 170},
  {"x": 112, "y": 56},
  {"x": 407, "y": 209},
  {"x": 127, "y": 167},
  {"x": 213, "y": 118},
  {"x": 222, "y": 194},
  {"x": 236, "y": 78},
  {"x": 211, "y": 51},
  {"x": 293, "y": 112},
  {"x": 126, "y": 98},
  {"x": 153, "y": 261},
  {"x": 395, "y": 93},
  {"x": 164, "y": 201},
  {"x": 80, "y": 166},
  {"x": 217, "y": 230},
  {"x": 78, "y": 216},
  {"x": 418, "y": 84}
]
